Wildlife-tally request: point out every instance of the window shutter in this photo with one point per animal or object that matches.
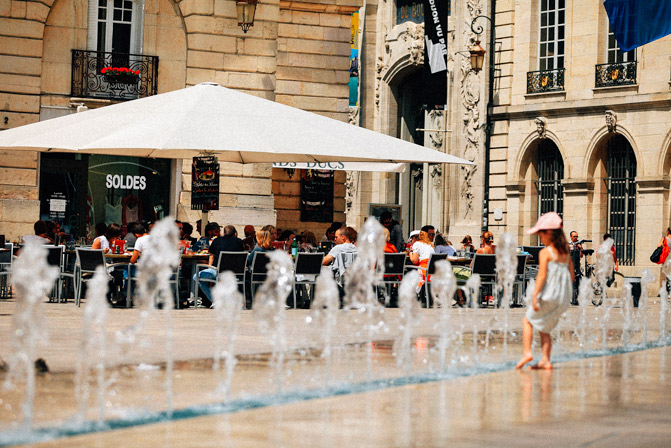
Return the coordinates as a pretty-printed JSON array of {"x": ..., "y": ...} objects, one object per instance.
[
  {"x": 138, "y": 26},
  {"x": 92, "y": 31}
]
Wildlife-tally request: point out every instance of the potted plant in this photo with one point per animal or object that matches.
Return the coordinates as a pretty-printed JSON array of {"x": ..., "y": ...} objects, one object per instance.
[{"x": 122, "y": 75}]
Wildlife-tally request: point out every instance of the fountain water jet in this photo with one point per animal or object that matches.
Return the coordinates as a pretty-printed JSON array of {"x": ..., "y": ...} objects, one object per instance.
[
  {"x": 325, "y": 314},
  {"x": 506, "y": 270},
  {"x": 271, "y": 304},
  {"x": 29, "y": 326},
  {"x": 646, "y": 279},
  {"x": 156, "y": 267},
  {"x": 360, "y": 281},
  {"x": 227, "y": 302},
  {"x": 604, "y": 269},
  {"x": 443, "y": 287},
  {"x": 93, "y": 347},
  {"x": 407, "y": 302},
  {"x": 472, "y": 288},
  {"x": 585, "y": 297}
]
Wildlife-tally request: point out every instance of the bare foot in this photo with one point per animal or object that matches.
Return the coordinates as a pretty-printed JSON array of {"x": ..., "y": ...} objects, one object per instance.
[
  {"x": 525, "y": 359},
  {"x": 542, "y": 366}
]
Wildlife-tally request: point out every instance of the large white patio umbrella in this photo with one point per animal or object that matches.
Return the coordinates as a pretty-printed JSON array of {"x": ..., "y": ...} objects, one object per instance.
[{"x": 208, "y": 118}]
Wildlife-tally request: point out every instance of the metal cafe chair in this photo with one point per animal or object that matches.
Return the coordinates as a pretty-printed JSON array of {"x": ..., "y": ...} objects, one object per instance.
[
  {"x": 259, "y": 271},
  {"x": 339, "y": 267},
  {"x": 485, "y": 266},
  {"x": 393, "y": 270},
  {"x": 6, "y": 259},
  {"x": 430, "y": 270},
  {"x": 307, "y": 269},
  {"x": 235, "y": 262},
  {"x": 132, "y": 277},
  {"x": 56, "y": 258},
  {"x": 87, "y": 262},
  {"x": 519, "y": 283}
]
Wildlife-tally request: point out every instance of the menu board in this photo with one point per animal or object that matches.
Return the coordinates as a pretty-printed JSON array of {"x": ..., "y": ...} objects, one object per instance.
[
  {"x": 317, "y": 195},
  {"x": 205, "y": 183}
]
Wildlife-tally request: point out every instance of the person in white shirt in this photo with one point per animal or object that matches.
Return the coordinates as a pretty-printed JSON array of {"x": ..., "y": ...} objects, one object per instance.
[
  {"x": 421, "y": 252},
  {"x": 107, "y": 239}
]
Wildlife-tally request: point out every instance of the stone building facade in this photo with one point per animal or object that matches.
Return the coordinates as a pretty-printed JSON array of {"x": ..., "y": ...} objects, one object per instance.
[
  {"x": 580, "y": 128},
  {"x": 297, "y": 53},
  {"x": 446, "y": 196}
]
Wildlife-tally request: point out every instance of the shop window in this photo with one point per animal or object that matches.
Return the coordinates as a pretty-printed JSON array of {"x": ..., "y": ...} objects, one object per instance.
[
  {"x": 621, "y": 183},
  {"x": 103, "y": 188},
  {"x": 317, "y": 195}
]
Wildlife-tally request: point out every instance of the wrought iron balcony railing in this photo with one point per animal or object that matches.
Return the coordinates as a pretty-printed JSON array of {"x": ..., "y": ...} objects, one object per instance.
[
  {"x": 92, "y": 77},
  {"x": 545, "y": 81},
  {"x": 615, "y": 74}
]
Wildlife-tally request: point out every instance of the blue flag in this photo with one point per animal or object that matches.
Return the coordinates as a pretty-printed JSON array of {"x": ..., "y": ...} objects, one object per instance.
[{"x": 637, "y": 22}]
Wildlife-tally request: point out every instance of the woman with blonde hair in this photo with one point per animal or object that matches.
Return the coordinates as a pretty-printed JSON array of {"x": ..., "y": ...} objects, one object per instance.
[
  {"x": 264, "y": 242},
  {"x": 421, "y": 252}
]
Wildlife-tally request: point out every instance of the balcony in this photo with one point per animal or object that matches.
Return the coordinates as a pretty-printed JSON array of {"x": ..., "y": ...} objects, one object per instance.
[
  {"x": 543, "y": 81},
  {"x": 92, "y": 77},
  {"x": 615, "y": 74}
]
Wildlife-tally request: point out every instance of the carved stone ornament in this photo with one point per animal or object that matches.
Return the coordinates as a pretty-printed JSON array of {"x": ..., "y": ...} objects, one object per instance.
[
  {"x": 541, "y": 126},
  {"x": 611, "y": 120},
  {"x": 470, "y": 98},
  {"x": 436, "y": 119},
  {"x": 351, "y": 188},
  {"x": 354, "y": 115},
  {"x": 436, "y": 173}
]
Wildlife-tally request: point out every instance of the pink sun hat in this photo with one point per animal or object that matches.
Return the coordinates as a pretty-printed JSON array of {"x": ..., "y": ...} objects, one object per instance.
[{"x": 548, "y": 221}]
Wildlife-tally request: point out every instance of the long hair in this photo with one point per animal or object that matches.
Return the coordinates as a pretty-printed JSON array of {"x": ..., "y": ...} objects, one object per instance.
[
  {"x": 424, "y": 238},
  {"x": 264, "y": 239},
  {"x": 113, "y": 231},
  {"x": 310, "y": 239},
  {"x": 558, "y": 240}
]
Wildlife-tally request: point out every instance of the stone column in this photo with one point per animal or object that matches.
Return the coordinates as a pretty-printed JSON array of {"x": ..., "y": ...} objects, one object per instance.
[
  {"x": 652, "y": 217},
  {"x": 578, "y": 209}
]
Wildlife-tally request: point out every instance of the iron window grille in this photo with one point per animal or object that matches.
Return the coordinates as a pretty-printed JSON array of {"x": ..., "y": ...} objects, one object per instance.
[
  {"x": 621, "y": 184},
  {"x": 545, "y": 81},
  {"x": 615, "y": 74},
  {"x": 549, "y": 184},
  {"x": 88, "y": 81}
]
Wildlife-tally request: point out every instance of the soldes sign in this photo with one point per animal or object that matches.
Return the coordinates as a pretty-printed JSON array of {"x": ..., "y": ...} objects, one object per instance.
[{"x": 126, "y": 182}]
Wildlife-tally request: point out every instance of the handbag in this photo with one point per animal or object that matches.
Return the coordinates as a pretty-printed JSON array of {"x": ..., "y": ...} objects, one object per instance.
[{"x": 660, "y": 253}]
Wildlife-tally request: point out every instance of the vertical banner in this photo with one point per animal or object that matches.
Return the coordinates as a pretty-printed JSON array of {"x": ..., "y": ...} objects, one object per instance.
[
  {"x": 434, "y": 92},
  {"x": 205, "y": 183},
  {"x": 354, "y": 62}
]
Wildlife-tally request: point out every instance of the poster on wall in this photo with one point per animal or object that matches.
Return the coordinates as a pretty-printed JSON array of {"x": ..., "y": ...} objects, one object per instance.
[
  {"x": 205, "y": 183},
  {"x": 434, "y": 91},
  {"x": 354, "y": 62},
  {"x": 317, "y": 195}
]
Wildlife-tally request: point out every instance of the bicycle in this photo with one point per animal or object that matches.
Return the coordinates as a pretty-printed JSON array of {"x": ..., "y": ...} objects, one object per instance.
[{"x": 589, "y": 271}]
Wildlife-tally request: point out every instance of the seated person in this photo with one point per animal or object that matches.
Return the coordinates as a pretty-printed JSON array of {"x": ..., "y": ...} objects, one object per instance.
[
  {"x": 106, "y": 240},
  {"x": 344, "y": 239},
  {"x": 227, "y": 243},
  {"x": 421, "y": 252},
  {"x": 40, "y": 235},
  {"x": 187, "y": 230},
  {"x": 443, "y": 246}
]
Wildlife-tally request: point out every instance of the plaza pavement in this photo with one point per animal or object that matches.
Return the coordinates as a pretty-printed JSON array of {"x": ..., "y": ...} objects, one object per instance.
[{"x": 606, "y": 401}]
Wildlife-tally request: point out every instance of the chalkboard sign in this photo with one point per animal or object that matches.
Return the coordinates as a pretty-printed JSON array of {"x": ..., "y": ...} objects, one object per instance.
[
  {"x": 205, "y": 183},
  {"x": 317, "y": 195}
]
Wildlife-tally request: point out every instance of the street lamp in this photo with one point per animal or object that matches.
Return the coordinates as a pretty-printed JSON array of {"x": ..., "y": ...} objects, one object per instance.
[
  {"x": 477, "y": 56},
  {"x": 246, "y": 11},
  {"x": 477, "y": 60}
]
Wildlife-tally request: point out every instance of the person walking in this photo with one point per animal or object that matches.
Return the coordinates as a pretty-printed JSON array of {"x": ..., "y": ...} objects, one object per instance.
[{"x": 552, "y": 292}]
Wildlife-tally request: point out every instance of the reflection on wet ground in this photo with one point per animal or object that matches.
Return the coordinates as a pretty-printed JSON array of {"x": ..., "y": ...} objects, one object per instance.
[{"x": 478, "y": 399}]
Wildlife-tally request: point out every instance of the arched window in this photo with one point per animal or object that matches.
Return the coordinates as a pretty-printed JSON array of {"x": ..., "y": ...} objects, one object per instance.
[
  {"x": 550, "y": 170},
  {"x": 621, "y": 183}
]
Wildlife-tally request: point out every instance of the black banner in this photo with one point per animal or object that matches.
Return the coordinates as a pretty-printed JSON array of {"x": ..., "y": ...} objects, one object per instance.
[
  {"x": 434, "y": 92},
  {"x": 205, "y": 183},
  {"x": 317, "y": 195}
]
